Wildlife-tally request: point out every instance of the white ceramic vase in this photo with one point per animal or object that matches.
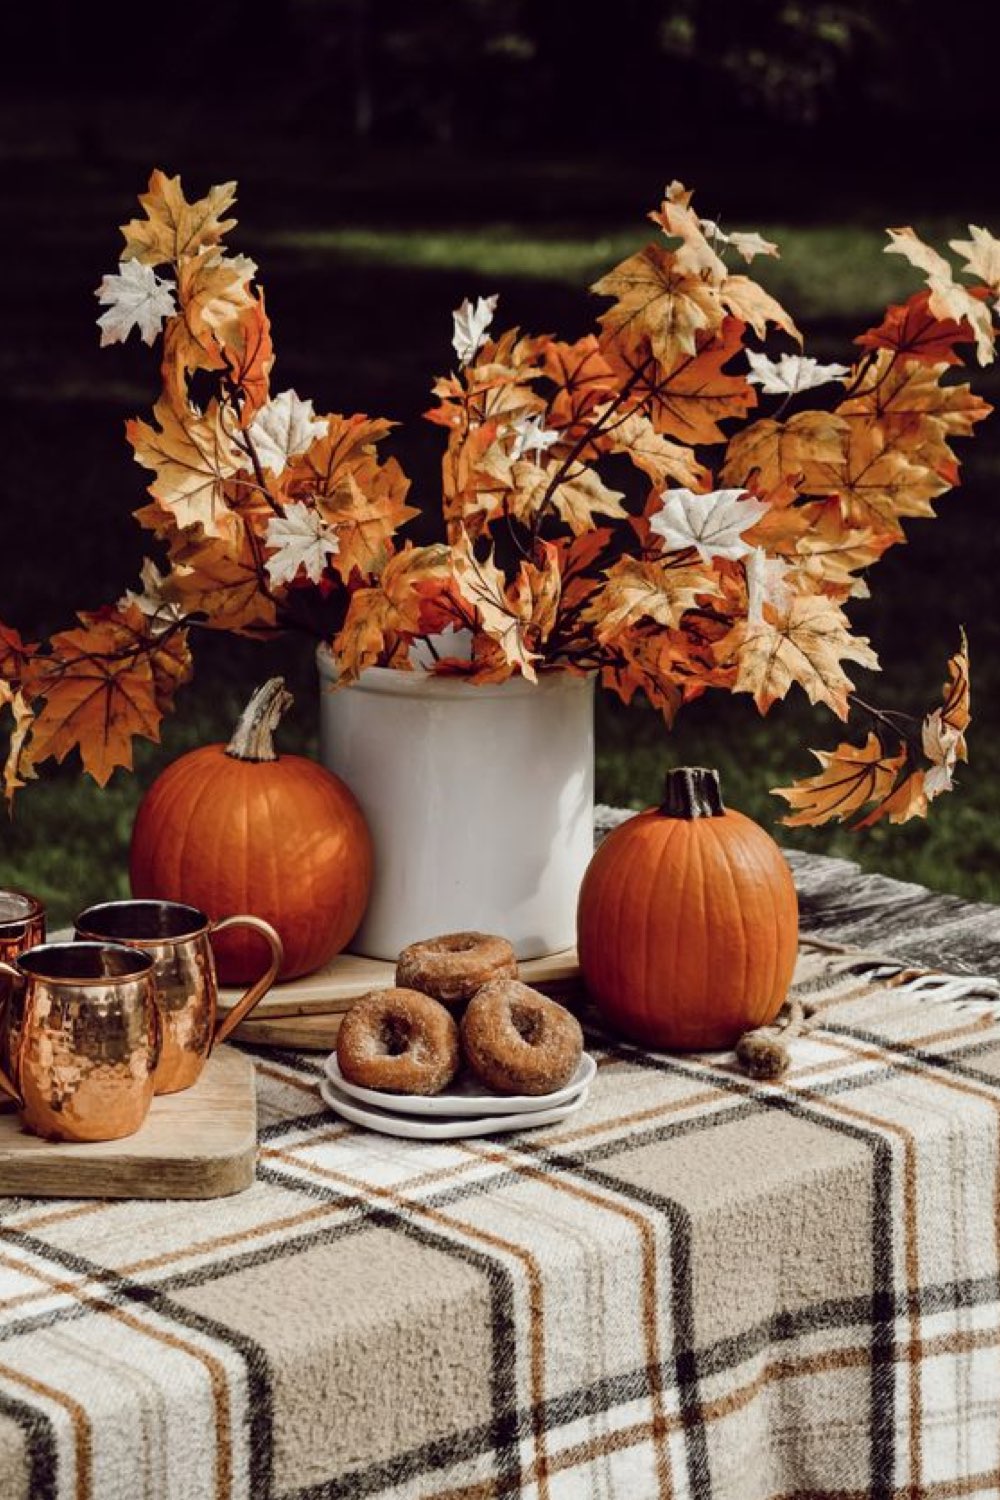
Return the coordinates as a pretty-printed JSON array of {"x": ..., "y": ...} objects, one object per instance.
[{"x": 480, "y": 802}]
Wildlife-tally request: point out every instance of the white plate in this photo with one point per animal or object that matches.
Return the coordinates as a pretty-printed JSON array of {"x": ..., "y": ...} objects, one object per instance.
[
  {"x": 464, "y": 1096},
  {"x": 441, "y": 1130}
]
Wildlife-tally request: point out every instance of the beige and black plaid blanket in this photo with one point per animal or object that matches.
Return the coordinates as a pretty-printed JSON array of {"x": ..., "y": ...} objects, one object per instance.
[{"x": 697, "y": 1287}]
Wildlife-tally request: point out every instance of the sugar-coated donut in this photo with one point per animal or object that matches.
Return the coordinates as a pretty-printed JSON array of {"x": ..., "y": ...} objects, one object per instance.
[
  {"x": 455, "y": 965},
  {"x": 519, "y": 1041},
  {"x": 398, "y": 1040}
]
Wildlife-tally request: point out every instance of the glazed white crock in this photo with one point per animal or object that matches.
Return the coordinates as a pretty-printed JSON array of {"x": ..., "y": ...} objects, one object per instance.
[{"x": 480, "y": 802}]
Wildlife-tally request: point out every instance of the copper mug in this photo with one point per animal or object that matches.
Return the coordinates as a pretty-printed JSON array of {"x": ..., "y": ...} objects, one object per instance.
[
  {"x": 22, "y": 923},
  {"x": 177, "y": 938},
  {"x": 82, "y": 1039}
]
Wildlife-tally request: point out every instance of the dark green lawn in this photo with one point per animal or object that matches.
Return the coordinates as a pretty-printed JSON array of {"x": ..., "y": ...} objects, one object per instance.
[{"x": 362, "y": 270}]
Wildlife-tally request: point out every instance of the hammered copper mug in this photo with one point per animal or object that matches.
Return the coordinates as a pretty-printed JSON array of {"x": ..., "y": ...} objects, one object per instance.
[
  {"x": 82, "y": 1039},
  {"x": 176, "y": 937},
  {"x": 22, "y": 923}
]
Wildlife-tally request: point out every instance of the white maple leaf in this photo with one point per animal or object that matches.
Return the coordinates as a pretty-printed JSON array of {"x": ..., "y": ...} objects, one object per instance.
[
  {"x": 713, "y": 524},
  {"x": 941, "y": 744},
  {"x": 766, "y": 584},
  {"x": 747, "y": 243},
  {"x": 531, "y": 437},
  {"x": 161, "y": 611},
  {"x": 982, "y": 255},
  {"x": 283, "y": 428},
  {"x": 135, "y": 298},
  {"x": 301, "y": 539},
  {"x": 471, "y": 323},
  {"x": 791, "y": 373}
]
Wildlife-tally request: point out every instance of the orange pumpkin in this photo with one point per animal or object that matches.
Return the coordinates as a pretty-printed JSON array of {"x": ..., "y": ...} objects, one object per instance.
[
  {"x": 688, "y": 921},
  {"x": 239, "y": 828}
]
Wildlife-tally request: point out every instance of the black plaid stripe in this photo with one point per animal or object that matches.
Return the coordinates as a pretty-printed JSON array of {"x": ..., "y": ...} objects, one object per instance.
[{"x": 43, "y": 1458}]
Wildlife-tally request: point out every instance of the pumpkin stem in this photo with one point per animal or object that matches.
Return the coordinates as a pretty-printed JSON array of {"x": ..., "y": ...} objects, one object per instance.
[
  {"x": 253, "y": 737},
  {"x": 692, "y": 792}
]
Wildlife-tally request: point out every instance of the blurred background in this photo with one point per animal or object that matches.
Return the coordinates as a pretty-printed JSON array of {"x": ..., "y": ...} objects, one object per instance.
[{"x": 394, "y": 158}]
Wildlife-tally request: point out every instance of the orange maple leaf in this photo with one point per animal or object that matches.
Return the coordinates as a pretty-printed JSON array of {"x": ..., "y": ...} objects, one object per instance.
[
  {"x": 220, "y": 578},
  {"x": 248, "y": 354},
  {"x": 412, "y": 597},
  {"x": 911, "y": 328},
  {"x": 583, "y": 380},
  {"x": 689, "y": 399},
  {"x": 99, "y": 688},
  {"x": 851, "y": 777},
  {"x": 15, "y": 654}
]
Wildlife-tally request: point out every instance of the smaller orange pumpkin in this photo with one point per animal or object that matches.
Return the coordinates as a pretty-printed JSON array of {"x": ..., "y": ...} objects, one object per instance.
[
  {"x": 238, "y": 828},
  {"x": 688, "y": 921}
]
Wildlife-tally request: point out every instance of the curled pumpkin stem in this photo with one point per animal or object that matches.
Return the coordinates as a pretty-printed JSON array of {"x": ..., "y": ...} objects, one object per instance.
[{"x": 763, "y": 1052}]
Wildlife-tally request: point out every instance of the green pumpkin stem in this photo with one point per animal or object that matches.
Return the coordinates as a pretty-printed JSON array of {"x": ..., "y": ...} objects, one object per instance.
[
  {"x": 692, "y": 792},
  {"x": 253, "y": 737}
]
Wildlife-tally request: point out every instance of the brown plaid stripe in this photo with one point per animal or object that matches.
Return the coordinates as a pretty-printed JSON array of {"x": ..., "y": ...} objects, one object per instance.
[{"x": 699, "y": 1287}]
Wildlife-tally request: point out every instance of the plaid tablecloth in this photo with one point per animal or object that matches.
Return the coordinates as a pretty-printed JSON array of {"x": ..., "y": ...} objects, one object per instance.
[{"x": 698, "y": 1286}]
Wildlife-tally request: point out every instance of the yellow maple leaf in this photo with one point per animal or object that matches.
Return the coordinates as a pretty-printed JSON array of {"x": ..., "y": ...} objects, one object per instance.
[
  {"x": 365, "y": 525},
  {"x": 213, "y": 295},
  {"x": 634, "y": 590},
  {"x": 804, "y": 644},
  {"x": 832, "y": 551},
  {"x": 656, "y": 298},
  {"x": 851, "y": 777},
  {"x": 744, "y": 299},
  {"x": 636, "y": 437},
  {"x": 363, "y": 496},
  {"x": 777, "y": 451},
  {"x": 695, "y": 256},
  {"x": 17, "y": 770},
  {"x": 578, "y": 498},
  {"x": 877, "y": 483},
  {"x": 482, "y": 585},
  {"x": 477, "y": 474},
  {"x": 174, "y": 228},
  {"x": 915, "y": 411},
  {"x": 193, "y": 455}
]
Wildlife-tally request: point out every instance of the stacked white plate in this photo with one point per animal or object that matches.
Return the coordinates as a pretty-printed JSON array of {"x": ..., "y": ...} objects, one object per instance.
[{"x": 464, "y": 1108}]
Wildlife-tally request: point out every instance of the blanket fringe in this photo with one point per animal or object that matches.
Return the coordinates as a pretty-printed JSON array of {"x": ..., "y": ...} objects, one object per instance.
[{"x": 764, "y": 1055}]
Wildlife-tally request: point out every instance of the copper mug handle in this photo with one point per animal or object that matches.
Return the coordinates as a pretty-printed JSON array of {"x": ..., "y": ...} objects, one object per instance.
[
  {"x": 7, "y": 1084},
  {"x": 259, "y": 989}
]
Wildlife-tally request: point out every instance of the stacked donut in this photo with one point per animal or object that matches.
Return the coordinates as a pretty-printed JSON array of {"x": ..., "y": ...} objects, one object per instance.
[{"x": 457, "y": 997}]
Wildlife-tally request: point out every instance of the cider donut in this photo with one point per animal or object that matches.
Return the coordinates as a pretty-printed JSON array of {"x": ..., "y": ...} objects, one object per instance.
[
  {"x": 519, "y": 1041},
  {"x": 399, "y": 1041},
  {"x": 454, "y": 966}
]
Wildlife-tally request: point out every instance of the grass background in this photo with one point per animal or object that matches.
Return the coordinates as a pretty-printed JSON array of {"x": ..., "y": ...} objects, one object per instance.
[{"x": 362, "y": 264}]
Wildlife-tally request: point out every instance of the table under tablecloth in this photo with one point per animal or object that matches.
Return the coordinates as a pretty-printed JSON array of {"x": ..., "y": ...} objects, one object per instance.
[{"x": 697, "y": 1286}]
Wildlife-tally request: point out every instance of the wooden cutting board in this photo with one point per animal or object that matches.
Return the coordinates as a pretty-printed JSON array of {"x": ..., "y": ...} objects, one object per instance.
[
  {"x": 305, "y": 1013},
  {"x": 199, "y": 1143}
]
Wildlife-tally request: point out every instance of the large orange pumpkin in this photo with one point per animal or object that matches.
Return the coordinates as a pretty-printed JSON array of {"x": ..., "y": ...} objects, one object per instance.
[
  {"x": 688, "y": 921},
  {"x": 238, "y": 828}
]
